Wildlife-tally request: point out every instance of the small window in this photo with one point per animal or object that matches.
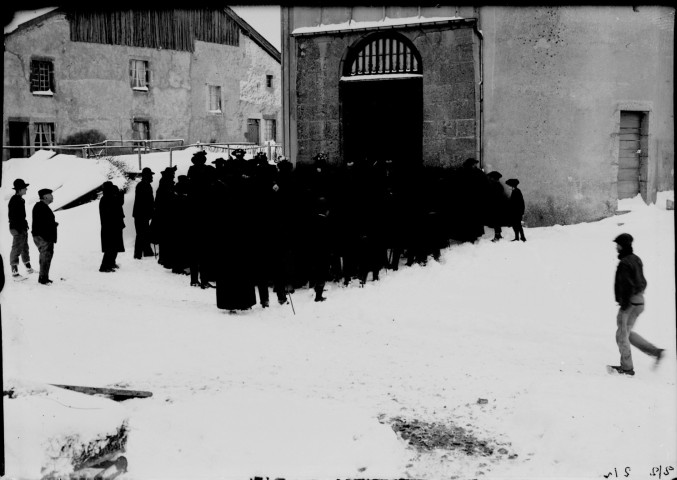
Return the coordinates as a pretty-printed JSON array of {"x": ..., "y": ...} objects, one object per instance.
[
  {"x": 44, "y": 135},
  {"x": 269, "y": 81},
  {"x": 271, "y": 130},
  {"x": 141, "y": 130},
  {"x": 139, "y": 75},
  {"x": 214, "y": 99},
  {"x": 42, "y": 77}
]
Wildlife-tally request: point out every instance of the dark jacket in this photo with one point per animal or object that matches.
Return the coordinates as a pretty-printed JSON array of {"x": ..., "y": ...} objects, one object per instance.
[
  {"x": 516, "y": 205},
  {"x": 17, "y": 213},
  {"x": 44, "y": 222},
  {"x": 144, "y": 201},
  {"x": 629, "y": 278},
  {"x": 112, "y": 221}
]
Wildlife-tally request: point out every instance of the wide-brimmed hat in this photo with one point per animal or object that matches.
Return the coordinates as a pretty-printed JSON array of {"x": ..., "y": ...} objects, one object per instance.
[
  {"x": 44, "y": 191},
  {"x": 19, "y": 184},
  {"x": 512, "y": 182},
  {"x": 199, "y": 157},
  {"x": 219, "y": 161},
  {"x": 239, "y": 152},
  {"x": 495, "y": 175},
  {"x": 147, "y": 171},
  {"x": 470, "y": 162}
]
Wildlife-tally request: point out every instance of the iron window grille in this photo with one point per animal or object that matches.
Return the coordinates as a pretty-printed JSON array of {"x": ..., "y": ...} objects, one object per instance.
[
  {"x": 42, "y": 76},
  {"x": 385, "y": 55}
]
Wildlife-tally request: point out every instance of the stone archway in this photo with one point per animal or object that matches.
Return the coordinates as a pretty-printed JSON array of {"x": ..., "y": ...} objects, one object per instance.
[{"x": 381, "y": 95}]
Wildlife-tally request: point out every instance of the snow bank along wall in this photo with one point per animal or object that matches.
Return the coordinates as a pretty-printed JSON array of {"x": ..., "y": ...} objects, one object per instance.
[
  {"x": 93, "y": 89},
  {"x": 537, "y": 93}
]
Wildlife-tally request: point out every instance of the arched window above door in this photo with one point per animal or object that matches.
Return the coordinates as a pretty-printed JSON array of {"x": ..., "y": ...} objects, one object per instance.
[{"x": 383, "y": 54}]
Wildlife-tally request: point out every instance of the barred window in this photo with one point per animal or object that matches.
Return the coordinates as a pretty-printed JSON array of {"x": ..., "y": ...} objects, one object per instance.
[
  {"x": 44, "y": 135},
  {"x": 214, "y": 98},
  {"x": 271, "y": 130},
  {"x": 384, "y": 54},
  {"x": 42, "y": 76},
  {"x": 139, "y": 74}
]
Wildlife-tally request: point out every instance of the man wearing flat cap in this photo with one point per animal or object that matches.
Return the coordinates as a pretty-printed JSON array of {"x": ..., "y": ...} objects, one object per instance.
[
  {"x": 142, "y": 213},
  {"x": 18, "y": 227},
  {"x": 629, "y": 286},
  {"x": 44, "y": 233}
]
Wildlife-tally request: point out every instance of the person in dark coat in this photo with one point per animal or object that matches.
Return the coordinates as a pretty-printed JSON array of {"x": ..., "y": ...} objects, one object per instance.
[
  {"x": 629, "y": 286},
  {"x": 143, "y": 213},
  {"x": 470, "y": 196},
  {"x": 319, "y": 245},
  {"x": 163, "y": 215},
  {"x": 44, "y": 233},
  {"x": 181, "y": 227},
  {"x": 516, "y": 209},
  {"x": 112, "y": 224},
  {"x": 18, "y": 227},
  {"x": 235, "y": 282},
  {"x": 497, "y": 205},
  {"x": 201, "y": 221}
]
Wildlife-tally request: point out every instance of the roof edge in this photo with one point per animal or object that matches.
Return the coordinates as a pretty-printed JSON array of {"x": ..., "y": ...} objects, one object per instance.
[{"x": 254, "y": 35}]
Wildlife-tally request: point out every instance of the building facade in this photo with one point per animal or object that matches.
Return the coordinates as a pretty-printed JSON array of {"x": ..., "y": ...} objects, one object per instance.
[
  {"x": 576, "y": 102},
  {"x": 197, "y": 75}
]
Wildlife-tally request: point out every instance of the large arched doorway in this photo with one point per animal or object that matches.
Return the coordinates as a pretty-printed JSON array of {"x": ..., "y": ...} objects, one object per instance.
[{"x": 381, "y": 94}]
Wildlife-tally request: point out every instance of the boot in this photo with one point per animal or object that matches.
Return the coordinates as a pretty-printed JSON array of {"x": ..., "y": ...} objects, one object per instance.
[
  {"x": 29, "y": 269},
  {"x": 15, "y": 271}
]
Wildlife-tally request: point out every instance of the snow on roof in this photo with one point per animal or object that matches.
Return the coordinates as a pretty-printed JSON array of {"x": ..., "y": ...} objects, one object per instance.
[
  {"x": 23, "y": 16},
  {"x": 363, "y": 25}
]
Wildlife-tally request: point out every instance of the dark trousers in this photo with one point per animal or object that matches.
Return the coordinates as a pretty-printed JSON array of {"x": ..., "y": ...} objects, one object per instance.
[
  {"x": 517, "y": 228},
  {"x": 46, "y": 250},
  {"x": 142, "y": 243},
  {"x": 19, "y": 247}
]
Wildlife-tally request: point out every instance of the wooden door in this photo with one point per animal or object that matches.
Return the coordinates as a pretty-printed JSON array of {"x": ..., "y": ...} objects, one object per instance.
[
  {"x": 18, "y": 136},
  {"x": 629, "y": 155}
]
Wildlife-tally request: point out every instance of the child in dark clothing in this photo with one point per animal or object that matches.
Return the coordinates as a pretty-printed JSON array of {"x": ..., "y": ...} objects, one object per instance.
[{"x": 516, "y": 209}]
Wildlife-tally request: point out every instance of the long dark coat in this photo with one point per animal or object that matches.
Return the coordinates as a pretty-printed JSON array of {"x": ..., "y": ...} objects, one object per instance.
[
  {"x": 497, "y": 205},
  {"x": 235, "y": 283},
  {"x": 144, "y": 201},
  {"x": 469, "y": 204},
  {"x": 112, "y": 221},
  {"x": 516, "y": 206}
]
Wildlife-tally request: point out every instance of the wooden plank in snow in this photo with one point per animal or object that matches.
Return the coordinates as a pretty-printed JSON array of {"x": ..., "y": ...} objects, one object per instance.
[{"x": 116, "y": 393}]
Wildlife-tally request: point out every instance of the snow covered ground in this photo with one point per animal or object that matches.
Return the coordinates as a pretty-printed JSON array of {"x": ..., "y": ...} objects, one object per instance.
[{"x": 508, "y": 341}]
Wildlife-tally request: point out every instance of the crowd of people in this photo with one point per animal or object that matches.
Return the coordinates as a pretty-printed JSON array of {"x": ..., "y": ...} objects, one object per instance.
[{"x": 243, "y": 226}]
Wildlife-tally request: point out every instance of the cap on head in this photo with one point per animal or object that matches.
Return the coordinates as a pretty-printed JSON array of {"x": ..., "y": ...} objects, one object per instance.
[
  {"x": 624, "y": 240},
  {"x": 44, "y": 191},
  {"x": 19, "y": 184},
  {"x": 512, "y": 182},
  {"x": 199, "y": 157}
]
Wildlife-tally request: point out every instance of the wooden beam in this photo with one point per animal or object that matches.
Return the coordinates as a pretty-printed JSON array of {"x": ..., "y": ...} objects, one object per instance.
[{"x": 116, "y": 393}]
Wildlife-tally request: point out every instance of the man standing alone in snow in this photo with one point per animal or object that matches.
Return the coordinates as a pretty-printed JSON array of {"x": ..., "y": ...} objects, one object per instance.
[
  {"x": 629, "y": 288},
  {"x": 44, "y": 233},
  {"x": 18, "y": 227}
]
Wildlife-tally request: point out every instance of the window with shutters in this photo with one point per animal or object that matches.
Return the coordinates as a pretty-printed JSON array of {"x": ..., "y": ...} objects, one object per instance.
[
  {"x": 44, "y": 135},
  {"x": 384, "y": 54},
  {"x": 42, "y": 77},
  {"x": 214, "y": 99},
  {"x": 139, "y": 75}
]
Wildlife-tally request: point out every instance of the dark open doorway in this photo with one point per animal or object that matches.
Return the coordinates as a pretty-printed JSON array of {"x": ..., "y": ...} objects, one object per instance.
[{"x": 382, "y": 119}]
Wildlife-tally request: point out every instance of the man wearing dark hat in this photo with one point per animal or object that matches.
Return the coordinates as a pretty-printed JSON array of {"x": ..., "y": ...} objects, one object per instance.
[
  {"x": 18, "y": 227},
  {"x": 629, "y": 289},
  {"x": 142, "y": 213},
  {"x": 44, "y": 233},
  {"x": 112, "y": 224},
  {"x": 497, "y": 205},
  {"x": 516, "y": 209}
]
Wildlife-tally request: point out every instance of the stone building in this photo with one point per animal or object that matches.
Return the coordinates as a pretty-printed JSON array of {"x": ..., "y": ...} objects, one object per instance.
[
  {"x": 575, "y": 101},
  {"x": 197, "y": 75}
]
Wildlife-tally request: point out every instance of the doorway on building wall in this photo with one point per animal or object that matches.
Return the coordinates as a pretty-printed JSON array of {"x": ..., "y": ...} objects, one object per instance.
[
  {"x": 381, "y": 96},
  {"x": 633, "y": 155},
  {"x": 18, "y": 136}
]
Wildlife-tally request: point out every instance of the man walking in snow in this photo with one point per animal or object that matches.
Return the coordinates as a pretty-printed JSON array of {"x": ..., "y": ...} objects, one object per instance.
[
  {"x": 44, "y": 233},
  {"x": 629, "y": 289},
  {"x": 18, "y": 227}
]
